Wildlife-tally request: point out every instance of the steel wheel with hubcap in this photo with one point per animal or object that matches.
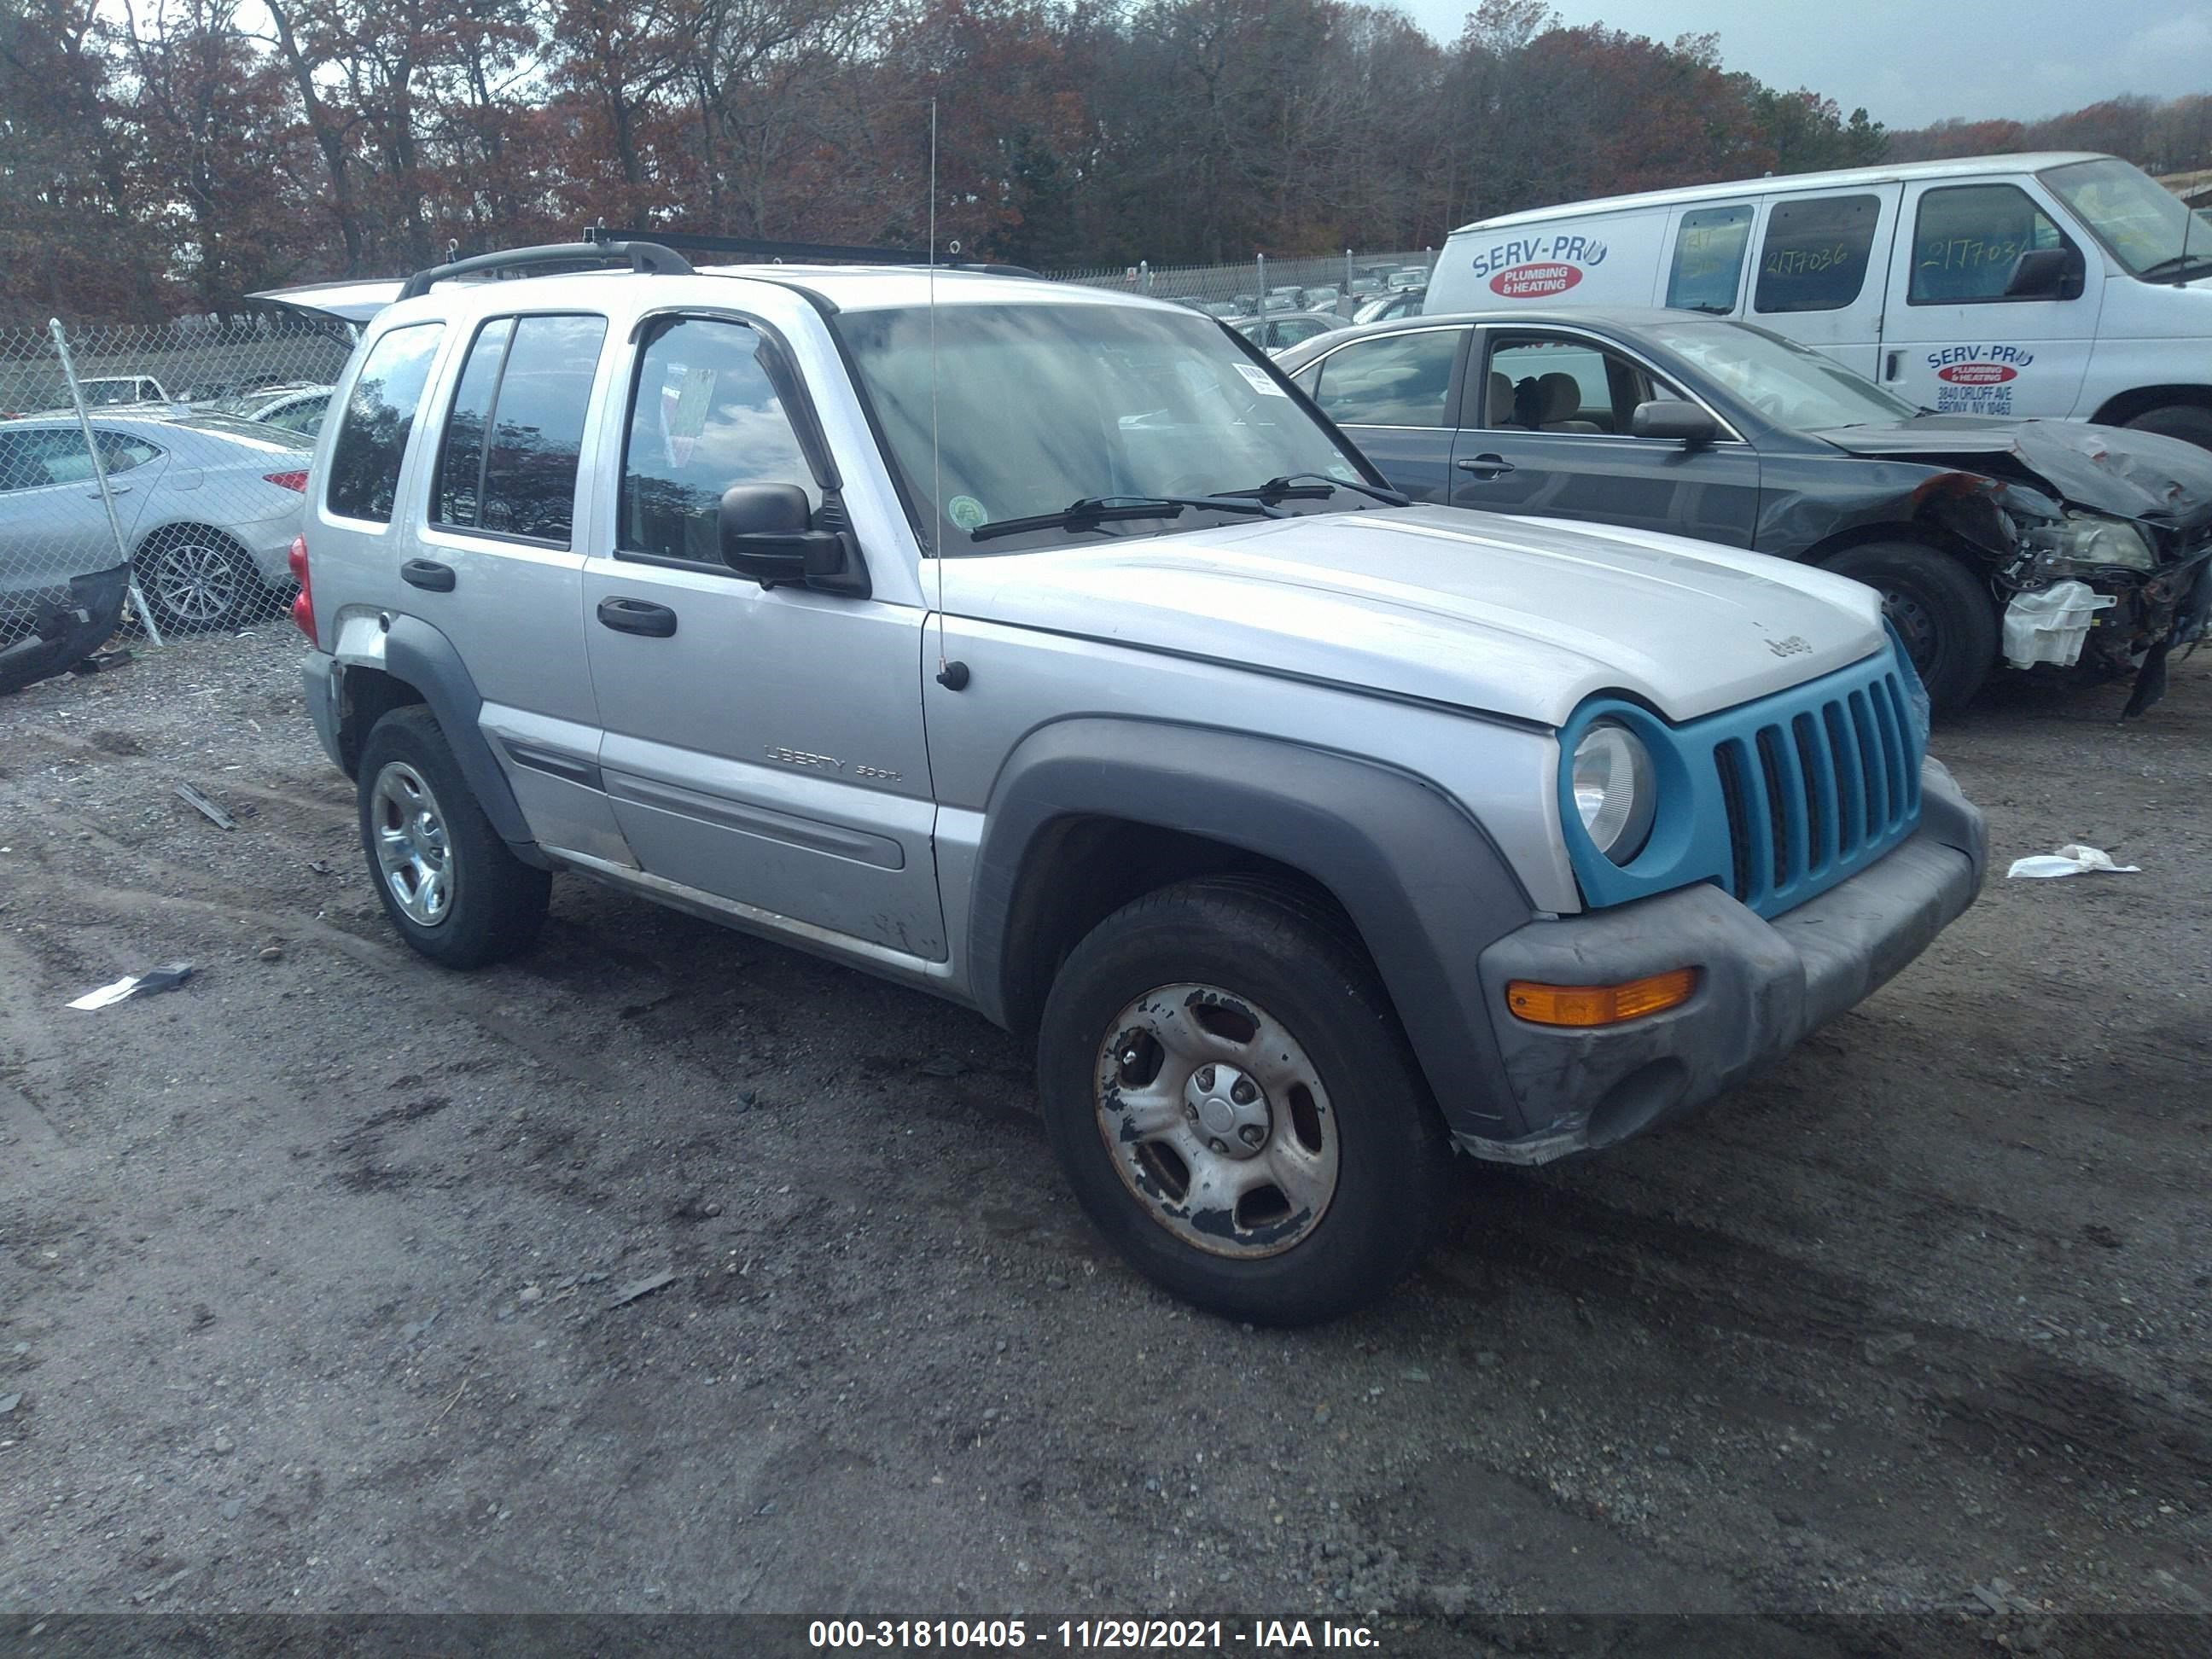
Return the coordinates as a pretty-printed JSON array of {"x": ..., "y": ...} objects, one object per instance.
[
  {"x": 197, "y": 579},
  {"x": 1218, "y": 1121},
  {"x": 413, "y": 852},
  {"x": 1227, "y": 1089}
]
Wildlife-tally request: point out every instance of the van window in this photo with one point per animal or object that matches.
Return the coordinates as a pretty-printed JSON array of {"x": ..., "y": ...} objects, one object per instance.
[
  {"x": 380, "y": 413},
  {"x": 509, "y": 464},
  {"x": 1967, "y": 237},
  {"x": 1708, "y": 266},
  {"x": 1815, "y": 254},
  {"x": 704, "y": 415}
]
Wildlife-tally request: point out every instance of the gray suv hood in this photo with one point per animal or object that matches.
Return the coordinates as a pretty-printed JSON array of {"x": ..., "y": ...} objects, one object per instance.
[{"x": 1524, "y": 617}]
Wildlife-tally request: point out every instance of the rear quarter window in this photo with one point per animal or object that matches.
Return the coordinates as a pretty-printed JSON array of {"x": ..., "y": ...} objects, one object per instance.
[{"x": 372, "y": 441}]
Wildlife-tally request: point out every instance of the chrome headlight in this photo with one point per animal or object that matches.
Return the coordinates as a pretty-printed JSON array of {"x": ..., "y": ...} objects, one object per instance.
[
  {"x": 1615, "y": 791},
  {"x": 2089, "y": 540}
]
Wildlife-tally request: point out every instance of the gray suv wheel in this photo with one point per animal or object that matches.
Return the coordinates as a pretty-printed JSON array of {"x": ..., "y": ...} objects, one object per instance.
[{"x": 448, "y": 881}]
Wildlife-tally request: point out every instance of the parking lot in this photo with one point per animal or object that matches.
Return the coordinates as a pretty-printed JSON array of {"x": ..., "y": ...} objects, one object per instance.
[{"x": 313, "y": 1272}]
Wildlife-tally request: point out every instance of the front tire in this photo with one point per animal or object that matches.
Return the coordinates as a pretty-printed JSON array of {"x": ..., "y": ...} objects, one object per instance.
[
  {"x": 1941, "y": 611},
  {"x": 448, "y": 881},
  {"x": 197, "y": 580},
  {"x": 1228, "y": 1092}
]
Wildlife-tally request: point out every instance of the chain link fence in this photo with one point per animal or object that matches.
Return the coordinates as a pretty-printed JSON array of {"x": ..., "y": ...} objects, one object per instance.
[
  {"x": 151, "y": 480},
  {"x": 1335, "y": 285}
]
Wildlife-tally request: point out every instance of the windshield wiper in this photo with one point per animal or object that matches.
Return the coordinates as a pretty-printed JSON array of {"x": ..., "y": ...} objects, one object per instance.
[
  {"x": 2177, "y": 265},
  {"x": 1312, "y": 487},
  {"x": 1108, "y": 509}
]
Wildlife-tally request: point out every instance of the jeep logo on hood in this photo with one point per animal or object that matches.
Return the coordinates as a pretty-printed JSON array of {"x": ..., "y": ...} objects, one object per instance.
[{"x": 1534, "y": 281}]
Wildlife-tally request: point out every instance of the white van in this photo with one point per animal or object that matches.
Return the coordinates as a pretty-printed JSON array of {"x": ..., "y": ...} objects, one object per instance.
[{"x": 2058, "y": 284}]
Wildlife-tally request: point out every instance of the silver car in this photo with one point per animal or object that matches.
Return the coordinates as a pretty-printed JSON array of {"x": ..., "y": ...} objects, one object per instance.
[
  {"x": 298, "y": 408},
  {"x": 209, "y": 505}
]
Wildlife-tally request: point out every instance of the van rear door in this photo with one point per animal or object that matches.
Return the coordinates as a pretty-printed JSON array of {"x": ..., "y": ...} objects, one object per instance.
[
  {"x": 1956, "y": 342},
  {"x": 1822, "y": 270}
]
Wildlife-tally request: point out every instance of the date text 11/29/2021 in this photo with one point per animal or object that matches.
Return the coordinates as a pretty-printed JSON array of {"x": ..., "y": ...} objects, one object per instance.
[{"x": 1254, "y": 1636}]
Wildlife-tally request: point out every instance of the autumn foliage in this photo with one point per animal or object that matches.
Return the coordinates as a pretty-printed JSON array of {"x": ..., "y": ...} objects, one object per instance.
[{"x": 164, "y": 156}]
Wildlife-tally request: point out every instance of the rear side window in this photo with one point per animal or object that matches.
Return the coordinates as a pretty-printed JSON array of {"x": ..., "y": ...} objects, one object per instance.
[
  {"x": 1708, "y": 269},
  {"x": 507, "y": 464},
  {"x": 1967, "y": 237},
  {"x": 371, "y": 439},
  {"x": 1401, "y": 379},
  {"x": 1815, "y": 255},
  {"x": 704, "y": 417}
]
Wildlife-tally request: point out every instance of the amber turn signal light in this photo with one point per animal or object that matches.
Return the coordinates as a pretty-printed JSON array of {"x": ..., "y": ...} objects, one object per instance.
[{"x": 1600, "y": 1005}]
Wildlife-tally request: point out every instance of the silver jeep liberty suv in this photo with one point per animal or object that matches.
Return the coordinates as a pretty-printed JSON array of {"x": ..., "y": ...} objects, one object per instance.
[{"x": 1044, "y": 649}]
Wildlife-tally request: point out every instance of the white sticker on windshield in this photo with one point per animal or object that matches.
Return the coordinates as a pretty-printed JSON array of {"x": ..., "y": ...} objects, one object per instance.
[{"x": 1258, "y": 377}]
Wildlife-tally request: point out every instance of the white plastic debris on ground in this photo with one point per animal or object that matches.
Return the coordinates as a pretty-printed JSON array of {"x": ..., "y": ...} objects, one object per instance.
[
  {"x": 2052, "y": 625},
  {"x": 161, "y": 979},
  {"x": 2071, "y": 859}
]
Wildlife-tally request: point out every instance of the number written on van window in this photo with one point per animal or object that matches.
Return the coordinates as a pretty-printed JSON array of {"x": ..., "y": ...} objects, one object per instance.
[
  {"x": 371, "y": 439},
  {"x": 1967, "y": 237},
  {"x": 1709, "y": 252},
  {"x": 508, "y": 463},
  {"x": 1814, "y": 257}
]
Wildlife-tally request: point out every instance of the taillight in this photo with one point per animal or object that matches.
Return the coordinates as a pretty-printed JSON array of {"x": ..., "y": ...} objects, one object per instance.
[
  {"x": 288, "y": 480},
  {"x": 303, "y": 603}
]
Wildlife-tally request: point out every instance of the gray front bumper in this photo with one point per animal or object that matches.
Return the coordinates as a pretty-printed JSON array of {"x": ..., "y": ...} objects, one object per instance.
[{"x": 1764, "y": 985}]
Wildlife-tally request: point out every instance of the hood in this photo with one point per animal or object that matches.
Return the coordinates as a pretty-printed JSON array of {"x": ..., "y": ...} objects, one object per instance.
[
  {"x": 1524, "y": 617},
  {"x": 2103, "y": 468}
]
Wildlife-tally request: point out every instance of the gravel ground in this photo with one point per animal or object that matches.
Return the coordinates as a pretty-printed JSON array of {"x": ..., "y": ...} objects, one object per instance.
[{"x": 312, "y": 1272}]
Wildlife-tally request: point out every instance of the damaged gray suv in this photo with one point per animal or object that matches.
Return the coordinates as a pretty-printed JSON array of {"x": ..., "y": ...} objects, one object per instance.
[{"x": 1044, "y": 649}]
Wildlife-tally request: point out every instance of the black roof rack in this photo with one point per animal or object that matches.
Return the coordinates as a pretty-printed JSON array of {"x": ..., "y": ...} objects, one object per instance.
[
  {"x": 754, "y": 251},
  {"x": 642, "y": 256}
]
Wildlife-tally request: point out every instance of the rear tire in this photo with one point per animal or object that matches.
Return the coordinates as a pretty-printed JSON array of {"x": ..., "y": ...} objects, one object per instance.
[
  {"x": 2191, "y": 422},
  {"x": 448, "y": 881},
  {"x": 1326, "y": 1177},
  {"x": 1942, "y": 610},
  {"x": 197, "y": 579}
]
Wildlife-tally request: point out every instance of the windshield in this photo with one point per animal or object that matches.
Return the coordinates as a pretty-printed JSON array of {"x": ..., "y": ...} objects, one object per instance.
[
  {"x": 2139, "y": 221},
  {"x": 1791, "y": 385},
  {"x": 1041, "y": 405}
]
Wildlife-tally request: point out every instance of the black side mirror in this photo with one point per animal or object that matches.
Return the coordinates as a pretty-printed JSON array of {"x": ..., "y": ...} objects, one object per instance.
[
  {"x": 1671, "y": 418},
  {"x": 2047, "y": 273},
  {"x": 768, "y": 533}
]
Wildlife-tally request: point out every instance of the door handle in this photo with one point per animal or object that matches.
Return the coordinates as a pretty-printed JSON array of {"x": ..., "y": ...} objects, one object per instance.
[
  {"x": 113, "y": 489},
  {"x": 427, "y": 573},
  {"x": 1889, "y": 371},
  {"x": 1484, "y": 467},
  {"x": 655, "y": 622}
]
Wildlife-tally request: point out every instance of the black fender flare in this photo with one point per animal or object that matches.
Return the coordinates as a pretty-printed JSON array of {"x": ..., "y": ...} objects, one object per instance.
[
  {"x": 418, "y": 654},
  {"x": 1419, "y": 878}
]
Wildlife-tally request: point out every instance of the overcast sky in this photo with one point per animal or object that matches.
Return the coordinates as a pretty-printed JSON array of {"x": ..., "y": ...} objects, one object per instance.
[{"x": 1912, "y": 62}]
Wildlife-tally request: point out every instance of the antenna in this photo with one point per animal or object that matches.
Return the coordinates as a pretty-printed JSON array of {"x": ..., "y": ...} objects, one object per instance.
[{"x": 953, "y": 677}]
